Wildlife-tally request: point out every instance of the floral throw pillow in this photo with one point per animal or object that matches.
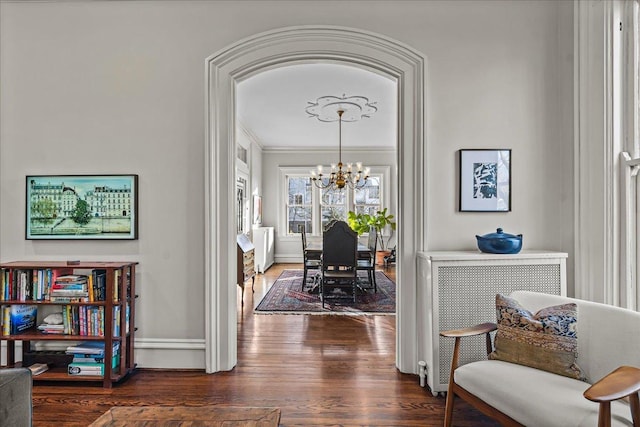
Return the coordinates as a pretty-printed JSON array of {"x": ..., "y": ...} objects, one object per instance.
[{"x": 545, "y": 340}]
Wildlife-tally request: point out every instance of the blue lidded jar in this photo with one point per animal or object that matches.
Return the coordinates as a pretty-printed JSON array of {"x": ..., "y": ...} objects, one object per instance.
[{"x": 500, "y": 242}]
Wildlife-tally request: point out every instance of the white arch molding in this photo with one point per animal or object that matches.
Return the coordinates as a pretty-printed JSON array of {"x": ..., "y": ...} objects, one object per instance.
[{"x": 287, "y": 46}]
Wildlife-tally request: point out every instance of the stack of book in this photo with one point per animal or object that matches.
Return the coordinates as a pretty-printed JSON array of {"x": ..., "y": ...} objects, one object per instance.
[
  {"x": 49, "y": 328},
  {"x": 89, "y": 358},
  {"x": 70, "y": 288}
]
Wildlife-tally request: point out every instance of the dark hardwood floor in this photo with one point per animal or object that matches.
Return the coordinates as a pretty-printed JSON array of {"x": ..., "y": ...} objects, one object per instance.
[{"x": 319, "y": 370}]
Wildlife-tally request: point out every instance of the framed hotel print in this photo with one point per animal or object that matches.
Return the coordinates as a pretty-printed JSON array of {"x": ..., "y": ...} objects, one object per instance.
[
  {"x": 76, "y": 207},
  {"x": 485, "y": 180}
]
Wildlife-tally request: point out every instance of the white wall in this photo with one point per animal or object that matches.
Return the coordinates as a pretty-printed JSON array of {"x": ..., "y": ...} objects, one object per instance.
[{"x": 118, "y": 87}]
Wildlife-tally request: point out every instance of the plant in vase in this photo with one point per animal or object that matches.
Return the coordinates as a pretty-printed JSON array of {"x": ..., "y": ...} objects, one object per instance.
[{"x": 361, "y": 222}]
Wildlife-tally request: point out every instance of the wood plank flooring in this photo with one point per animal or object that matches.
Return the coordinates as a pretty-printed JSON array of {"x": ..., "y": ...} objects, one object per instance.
[{"x": 320, "y": 370}]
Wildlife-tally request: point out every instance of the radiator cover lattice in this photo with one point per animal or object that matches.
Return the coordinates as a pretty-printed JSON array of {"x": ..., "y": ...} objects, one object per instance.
[{"x": 467, "y": 297}]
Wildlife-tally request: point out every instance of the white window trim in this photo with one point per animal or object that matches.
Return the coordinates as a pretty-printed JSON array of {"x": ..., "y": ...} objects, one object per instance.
[{"x": 283, "y": 192}]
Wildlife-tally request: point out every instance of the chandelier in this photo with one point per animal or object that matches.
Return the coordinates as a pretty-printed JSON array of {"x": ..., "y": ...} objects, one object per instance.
[{"x": 340, "y": 175}]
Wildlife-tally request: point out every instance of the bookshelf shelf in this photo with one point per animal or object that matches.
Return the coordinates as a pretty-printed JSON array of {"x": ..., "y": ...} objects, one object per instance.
[{"x": 105, "y": 313}]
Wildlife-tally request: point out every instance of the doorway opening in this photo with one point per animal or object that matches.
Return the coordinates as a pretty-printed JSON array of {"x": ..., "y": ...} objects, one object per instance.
[{"x": 280, "y": 47}]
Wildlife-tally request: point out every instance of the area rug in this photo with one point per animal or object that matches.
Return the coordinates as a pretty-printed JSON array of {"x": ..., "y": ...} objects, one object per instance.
[{"x": 286, "y": 297}]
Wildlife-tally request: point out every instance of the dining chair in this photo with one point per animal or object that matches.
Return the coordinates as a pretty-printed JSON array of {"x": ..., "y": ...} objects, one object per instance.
[
  {"x": 311, "y": 259},
  {"x": 367, "y": 262},
  {"x": 339, "y": 261}
]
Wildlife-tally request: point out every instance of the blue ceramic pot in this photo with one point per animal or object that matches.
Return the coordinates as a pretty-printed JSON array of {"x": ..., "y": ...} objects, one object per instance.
[{"x": 500, "y": 243}]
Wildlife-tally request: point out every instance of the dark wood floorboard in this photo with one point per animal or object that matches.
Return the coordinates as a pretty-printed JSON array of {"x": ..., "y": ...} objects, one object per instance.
[{"x": 319, "y": 370}]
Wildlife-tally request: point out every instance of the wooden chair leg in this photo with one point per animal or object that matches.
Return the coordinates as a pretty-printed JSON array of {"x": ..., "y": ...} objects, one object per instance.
[
  {"x": 604, "y": 414},
  {"x": 448, "y": 411},
  {"x": 635, "y": 409}
]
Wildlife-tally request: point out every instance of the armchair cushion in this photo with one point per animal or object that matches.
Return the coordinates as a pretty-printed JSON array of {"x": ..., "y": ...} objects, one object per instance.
[
  {"x": 533, "y": 397},
  {"x": 546, "y": 340}
]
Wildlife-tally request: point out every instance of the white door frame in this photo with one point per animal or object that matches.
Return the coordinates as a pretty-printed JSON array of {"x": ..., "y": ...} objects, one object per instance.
[{"x": 287, "y": 46}]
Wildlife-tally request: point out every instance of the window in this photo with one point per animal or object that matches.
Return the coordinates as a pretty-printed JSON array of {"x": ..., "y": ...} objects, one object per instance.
[
  {"x": 367, "y": 199},
  {"x": 307, "y": 205},
  {"x": 299, "y": 204},
  {"x": 333, "y": 206}
]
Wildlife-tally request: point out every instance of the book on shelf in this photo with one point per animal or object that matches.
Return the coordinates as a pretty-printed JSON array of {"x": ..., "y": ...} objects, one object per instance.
[
  {"x": 92, "y": 347},
  {"x": 38, "y": 368},
  {"x": 98, "y": 285},
  {"x": 93, "y": 359},
  {"x": 18, "y": 318},
  {"x": 85, "y": 369},
  {"x": 47, "y": 328},
  {"x": 66, "y": 299},
  {"x": 72, "y": 278}
]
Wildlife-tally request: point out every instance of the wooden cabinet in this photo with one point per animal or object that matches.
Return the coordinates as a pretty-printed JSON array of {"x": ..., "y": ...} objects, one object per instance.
[
  {"x": 245, "y": 262},
  {"x": 111, "y": 303},
  {"x": 458, "y": 289},
  {"x": 264, "y": 242}
]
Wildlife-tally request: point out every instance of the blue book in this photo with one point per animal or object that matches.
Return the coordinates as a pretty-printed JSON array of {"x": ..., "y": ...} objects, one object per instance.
[{"x": 22, "y": 317}]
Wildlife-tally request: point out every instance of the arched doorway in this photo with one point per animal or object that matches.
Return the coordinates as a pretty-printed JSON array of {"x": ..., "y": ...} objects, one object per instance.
[{"x": 294, "y": 45}]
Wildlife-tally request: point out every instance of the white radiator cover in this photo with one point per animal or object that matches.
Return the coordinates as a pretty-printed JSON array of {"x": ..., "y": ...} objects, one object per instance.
[
  {"x": 264, "y": 242},
  {"x": 457, "y": 289}
]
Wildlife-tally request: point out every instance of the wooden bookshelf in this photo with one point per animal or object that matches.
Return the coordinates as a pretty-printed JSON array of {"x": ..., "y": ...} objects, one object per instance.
[{"x": 119, "y": 290}]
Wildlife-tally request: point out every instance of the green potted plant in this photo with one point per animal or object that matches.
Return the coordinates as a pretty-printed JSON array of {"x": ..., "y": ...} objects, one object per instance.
[{"x": 361, "y": 222}]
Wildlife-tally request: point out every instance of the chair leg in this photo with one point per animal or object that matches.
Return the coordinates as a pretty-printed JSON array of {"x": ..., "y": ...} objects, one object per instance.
[
  {"x": 635, "y": 409},
  {"x": 304, "y": 279},
  {"x": 375, "y": 284},
  {"x": 448, "y": 410},
  {"x": 604, "y": 414}
]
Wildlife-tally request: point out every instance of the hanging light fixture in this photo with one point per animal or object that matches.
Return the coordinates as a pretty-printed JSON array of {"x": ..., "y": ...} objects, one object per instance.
[{"x": 340, "y": 175}]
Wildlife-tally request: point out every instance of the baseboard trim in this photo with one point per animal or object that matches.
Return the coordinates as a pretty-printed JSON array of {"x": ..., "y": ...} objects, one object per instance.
[{"x": 170, "y": 353}]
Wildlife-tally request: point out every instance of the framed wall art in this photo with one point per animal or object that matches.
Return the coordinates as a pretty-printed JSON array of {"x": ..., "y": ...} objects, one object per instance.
[
  {"x": 103, "y": 207},
  {"x": 485, "y": 180}
]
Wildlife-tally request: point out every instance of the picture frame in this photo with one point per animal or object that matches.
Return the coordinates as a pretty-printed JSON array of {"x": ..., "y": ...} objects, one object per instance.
[
  {"x": 485, "y": 180},
  {"x": 81, "y": 207}
]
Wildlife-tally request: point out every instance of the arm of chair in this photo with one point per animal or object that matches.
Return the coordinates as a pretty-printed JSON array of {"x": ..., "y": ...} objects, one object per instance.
[
  {"x": 483, "y": 328},
  {"x": 622, "y": 382}
]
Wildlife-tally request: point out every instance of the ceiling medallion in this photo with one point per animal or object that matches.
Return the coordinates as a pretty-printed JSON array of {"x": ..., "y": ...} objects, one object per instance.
[{"x": 354, "y": 108}]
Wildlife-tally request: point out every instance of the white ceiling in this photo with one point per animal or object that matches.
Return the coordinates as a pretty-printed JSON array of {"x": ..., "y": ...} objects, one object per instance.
[{"x": 271, "y": 107}]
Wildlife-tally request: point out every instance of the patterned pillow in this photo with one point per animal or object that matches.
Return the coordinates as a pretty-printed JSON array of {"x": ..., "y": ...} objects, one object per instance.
[{"x": 545, "y": 340}]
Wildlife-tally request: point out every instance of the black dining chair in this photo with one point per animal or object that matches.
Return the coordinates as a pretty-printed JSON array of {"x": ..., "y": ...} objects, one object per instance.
[
  {"x": 367, "y": 262},
  {"x": 311, "y": 259},
  {"x": 339, "y": 262}
]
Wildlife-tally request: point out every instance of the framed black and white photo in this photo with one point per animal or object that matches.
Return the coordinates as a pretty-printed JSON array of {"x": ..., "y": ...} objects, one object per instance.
[
  {"x": 103, "y": 207},
  {"x": 485, "y": 180}
]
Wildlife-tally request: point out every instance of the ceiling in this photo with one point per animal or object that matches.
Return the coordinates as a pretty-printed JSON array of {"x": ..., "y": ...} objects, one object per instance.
[{"x": 272, "y": 107}]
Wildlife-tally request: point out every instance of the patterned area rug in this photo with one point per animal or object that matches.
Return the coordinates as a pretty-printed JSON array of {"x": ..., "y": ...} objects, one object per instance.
[{"x": 286, "y": 297}]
